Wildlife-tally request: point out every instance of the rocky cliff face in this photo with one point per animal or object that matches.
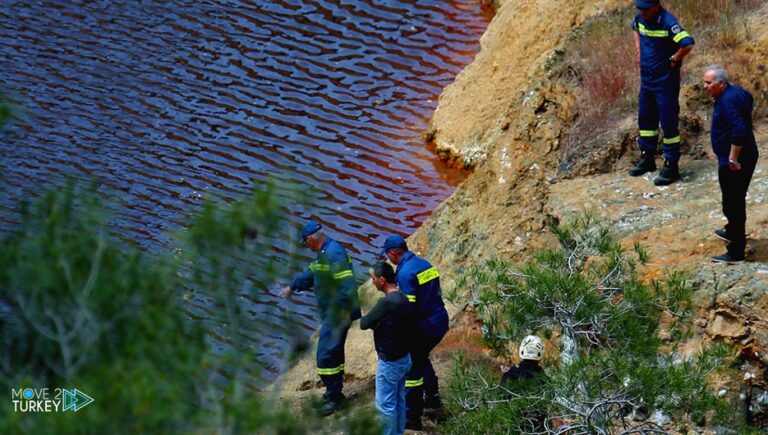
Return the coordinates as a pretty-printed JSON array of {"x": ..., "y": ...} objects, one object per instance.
[{"x": 507, "y": 116}]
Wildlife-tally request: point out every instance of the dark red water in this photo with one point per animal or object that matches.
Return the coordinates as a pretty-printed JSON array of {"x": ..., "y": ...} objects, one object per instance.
[{"x": 167, "y": 100}]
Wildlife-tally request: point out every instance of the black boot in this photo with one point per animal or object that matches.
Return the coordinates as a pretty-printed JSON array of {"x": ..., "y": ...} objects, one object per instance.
[
  {"x": 331, "y": 403},
  {"x": 668, "y": 175},
  {"x": 646, "y": 163},
  {"x": 432, "y": 399},
  {"x": 414, "y": 424}
]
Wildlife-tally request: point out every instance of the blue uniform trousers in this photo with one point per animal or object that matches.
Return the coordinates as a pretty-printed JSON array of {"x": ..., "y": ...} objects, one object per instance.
[
  {"x": 330, "y": 357},
  {"x": 422, "y": 375},
  {"x": 663, "y": 106}
]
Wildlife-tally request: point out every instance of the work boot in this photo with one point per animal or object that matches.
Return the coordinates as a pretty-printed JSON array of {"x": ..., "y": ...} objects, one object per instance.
[
  {"x": 414, "y": 425},
  {"x": 432, "y": 399},
  {"x": 727, "y": 258},
  {"x": 331, "y": 403},
  {"x": 646, "y": 163},
  {"x": 668, "y": 175},
  {"x": 433, "y": 402},
  {"x": 723, "y": 235}
]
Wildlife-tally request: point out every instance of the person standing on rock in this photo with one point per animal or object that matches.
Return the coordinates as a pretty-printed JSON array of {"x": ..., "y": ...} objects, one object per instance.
[
  {"x": 392, "y": 320},
  {"x": 333, "y": 280},
  {"x": 421, "y": 284},
  {"x": 733, "y": 142},
  {"x": 661, "y": 45}
]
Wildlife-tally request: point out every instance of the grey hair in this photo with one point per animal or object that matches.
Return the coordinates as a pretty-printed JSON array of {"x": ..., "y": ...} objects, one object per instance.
[{"x": 721, "y": 76}]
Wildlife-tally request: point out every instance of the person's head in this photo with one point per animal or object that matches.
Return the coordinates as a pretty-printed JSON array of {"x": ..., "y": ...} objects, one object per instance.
[
  {"x": 531, "y": 348},
  {"x": 383, "y": 276},
  {"x": 394, "y": 248},
  {"x": 312, "y": 236},
  {"x": 715, "y": 80},
  {"x": 648, "y": 8}
]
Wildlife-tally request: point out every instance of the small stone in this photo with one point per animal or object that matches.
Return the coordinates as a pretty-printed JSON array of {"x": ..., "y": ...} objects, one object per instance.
[
  {"x": 762, "y": 398},
  {"x": 660, "y": 418}
]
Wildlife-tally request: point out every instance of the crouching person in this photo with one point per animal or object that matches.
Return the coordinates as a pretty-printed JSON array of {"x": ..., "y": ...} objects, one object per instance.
[
  {"x": 527, "y": 378},
  {"x": 392, "y": 320},
  {"x": 531, "y": 352}
]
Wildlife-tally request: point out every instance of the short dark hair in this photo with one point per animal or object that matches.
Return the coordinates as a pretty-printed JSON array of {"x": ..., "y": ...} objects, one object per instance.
[{"x": 385, "y": 270}]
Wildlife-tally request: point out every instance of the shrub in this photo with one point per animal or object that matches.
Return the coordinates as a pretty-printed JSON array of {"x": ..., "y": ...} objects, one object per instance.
[
  {"x": 82, "y": 308},
  {"x": 611, "y": 375}
]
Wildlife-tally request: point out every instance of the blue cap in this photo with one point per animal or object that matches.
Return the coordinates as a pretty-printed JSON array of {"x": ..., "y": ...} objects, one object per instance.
[
  {"x": 645, "y": 4},
  {"x": 310, "y": 228},
  {"x": 393, "y": 242}
]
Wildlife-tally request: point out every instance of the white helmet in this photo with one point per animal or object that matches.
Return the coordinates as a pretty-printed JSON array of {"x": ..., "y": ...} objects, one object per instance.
[{"x": 532, "y": 348}]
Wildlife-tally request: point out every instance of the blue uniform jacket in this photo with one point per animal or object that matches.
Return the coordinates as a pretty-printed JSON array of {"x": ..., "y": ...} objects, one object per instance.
[
  {"x": 660, "y": 38},
  {"x": 333, "y": 279},
  {"x": 420, "y": 282},
  {"x": 732, "y": 123}
]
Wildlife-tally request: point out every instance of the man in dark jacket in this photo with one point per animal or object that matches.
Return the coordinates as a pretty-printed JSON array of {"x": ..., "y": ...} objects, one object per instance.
[
  {"x": 421, "y": 284},
  {"x": 734, "y": 145},
  {"x": 333, "y": 280},
  {"x": 392, "y": 320}
]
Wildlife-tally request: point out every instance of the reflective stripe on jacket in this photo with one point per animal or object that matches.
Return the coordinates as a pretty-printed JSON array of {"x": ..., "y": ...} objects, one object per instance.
[
  {"x": 421, "y": 284},
  {"x": 333, "y": 279},
  {"x": 660, "y": 38}
]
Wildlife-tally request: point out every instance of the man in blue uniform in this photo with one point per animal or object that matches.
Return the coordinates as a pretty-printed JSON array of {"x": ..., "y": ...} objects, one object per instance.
[
  {"x": 420, "y": 282},
  {"x": 733, "y": 142},
  {"x": 333, "y": 280},
  {"x": 660, "y": 44}
]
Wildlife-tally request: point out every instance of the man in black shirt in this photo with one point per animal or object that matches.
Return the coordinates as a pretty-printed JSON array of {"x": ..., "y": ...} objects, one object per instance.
[{"x": 392, "y": 320}]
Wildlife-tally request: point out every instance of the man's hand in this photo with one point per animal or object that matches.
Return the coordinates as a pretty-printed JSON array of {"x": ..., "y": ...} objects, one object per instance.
[
  {"x": 286, "y": 293},
  {"x": 734, "y": 165}
]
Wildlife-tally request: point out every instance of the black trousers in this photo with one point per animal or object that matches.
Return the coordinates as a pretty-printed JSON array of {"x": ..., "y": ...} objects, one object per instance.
[
  {"x": 422, "y": 377},
  {"x": 733, "y": 186}
]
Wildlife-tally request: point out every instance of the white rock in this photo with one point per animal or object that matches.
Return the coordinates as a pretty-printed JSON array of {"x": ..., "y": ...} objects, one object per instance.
[{"x": 660, "y": 418}]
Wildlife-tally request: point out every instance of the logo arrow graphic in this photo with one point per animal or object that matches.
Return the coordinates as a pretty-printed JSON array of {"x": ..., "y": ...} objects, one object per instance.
[{"x": 75, "y": 400}]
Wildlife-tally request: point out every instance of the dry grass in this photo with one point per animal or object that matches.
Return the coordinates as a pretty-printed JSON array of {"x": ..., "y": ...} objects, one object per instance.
[
  {"x": 716, "y": 23},
  {"x": 602, "y": 52},
  {"x": 722, "y": 33}
]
